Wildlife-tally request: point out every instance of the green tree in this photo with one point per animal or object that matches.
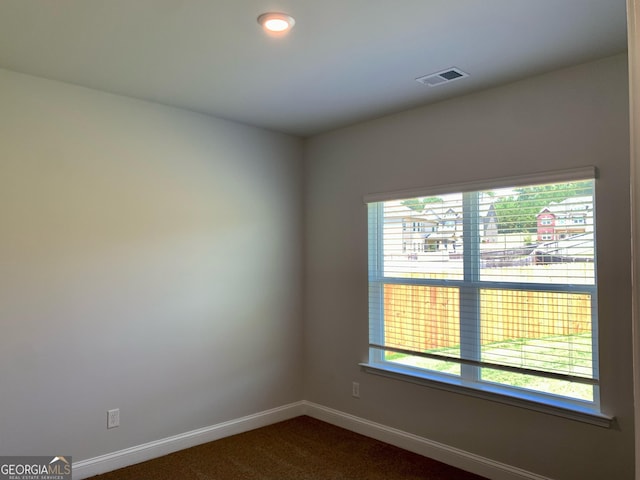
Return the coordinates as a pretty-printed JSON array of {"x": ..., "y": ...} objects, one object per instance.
[
  {"x": 517, "y": 213},
  {"x": 418, "y": 204}
]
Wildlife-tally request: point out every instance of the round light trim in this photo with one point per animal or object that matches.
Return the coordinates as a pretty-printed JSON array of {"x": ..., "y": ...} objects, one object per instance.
[{"x": 276, "y": 22}]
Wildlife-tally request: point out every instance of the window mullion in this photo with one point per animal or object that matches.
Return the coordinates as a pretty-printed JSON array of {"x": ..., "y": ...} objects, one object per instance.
[{"x": 469, "y": 295}]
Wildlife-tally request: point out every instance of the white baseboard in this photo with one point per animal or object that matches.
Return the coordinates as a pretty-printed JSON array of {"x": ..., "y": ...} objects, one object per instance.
[
  {"x": 165, "y": 446},
  {"x": 420, "y": 445}
]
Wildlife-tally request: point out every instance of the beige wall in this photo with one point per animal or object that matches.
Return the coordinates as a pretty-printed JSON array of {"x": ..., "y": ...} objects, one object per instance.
[
  {"x": 150, "y": 261},
  {"x": 570, "y": 118}
]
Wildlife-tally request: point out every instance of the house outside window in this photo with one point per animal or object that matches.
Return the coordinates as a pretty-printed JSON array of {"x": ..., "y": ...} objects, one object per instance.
[
  {"x": 562, "y": 219},
  {"x": 511, "y": 316}
]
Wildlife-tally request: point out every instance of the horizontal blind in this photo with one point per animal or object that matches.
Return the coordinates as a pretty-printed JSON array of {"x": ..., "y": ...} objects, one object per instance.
[{"x": 500, "y": 280}]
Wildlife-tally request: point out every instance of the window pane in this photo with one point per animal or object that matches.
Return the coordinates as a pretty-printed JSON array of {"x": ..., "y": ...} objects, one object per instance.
[
  {"x": 422, "y": 319},
  {"x": 542, "y": 331},
  {"x": 577, "y": 391},
  {"x": 423, "y": 238},
  {"x": 538, "y": 234},
  {"x": 439, "y": 366}
]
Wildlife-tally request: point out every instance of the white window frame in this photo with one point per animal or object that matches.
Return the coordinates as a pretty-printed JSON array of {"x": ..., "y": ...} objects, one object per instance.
[{"x": 469, "y": 381}]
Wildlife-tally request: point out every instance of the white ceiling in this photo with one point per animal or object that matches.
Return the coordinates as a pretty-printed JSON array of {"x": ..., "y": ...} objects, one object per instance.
[{"x": 345, "y": 60}]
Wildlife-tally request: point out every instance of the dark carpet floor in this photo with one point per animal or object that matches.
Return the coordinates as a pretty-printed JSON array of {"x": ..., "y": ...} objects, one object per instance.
[{"x": 299, "y": 449}]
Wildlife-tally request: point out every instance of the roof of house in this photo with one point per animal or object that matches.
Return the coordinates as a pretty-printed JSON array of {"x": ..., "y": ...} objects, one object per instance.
[{"x": 569, "y": 206}]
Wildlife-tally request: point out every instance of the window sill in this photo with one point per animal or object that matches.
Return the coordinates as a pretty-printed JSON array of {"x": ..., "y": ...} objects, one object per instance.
[{"x": 551, "y": 407}]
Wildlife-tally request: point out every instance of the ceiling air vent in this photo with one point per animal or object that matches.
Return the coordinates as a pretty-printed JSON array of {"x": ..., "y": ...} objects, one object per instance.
[{"x": 440, "y": 78}]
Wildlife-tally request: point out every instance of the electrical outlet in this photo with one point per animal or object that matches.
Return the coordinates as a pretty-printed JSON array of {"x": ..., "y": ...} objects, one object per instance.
[
  {"x": 113, "y": 418},
  {"x": 355, "y": 390}
]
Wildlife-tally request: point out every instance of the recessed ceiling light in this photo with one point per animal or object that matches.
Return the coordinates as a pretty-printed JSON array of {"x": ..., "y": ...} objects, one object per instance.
[{"x": 276, "y": 22}]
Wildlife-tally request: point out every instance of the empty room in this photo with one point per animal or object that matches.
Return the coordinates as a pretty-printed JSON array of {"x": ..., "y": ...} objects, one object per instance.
[{"x": 412, "y": 220}]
